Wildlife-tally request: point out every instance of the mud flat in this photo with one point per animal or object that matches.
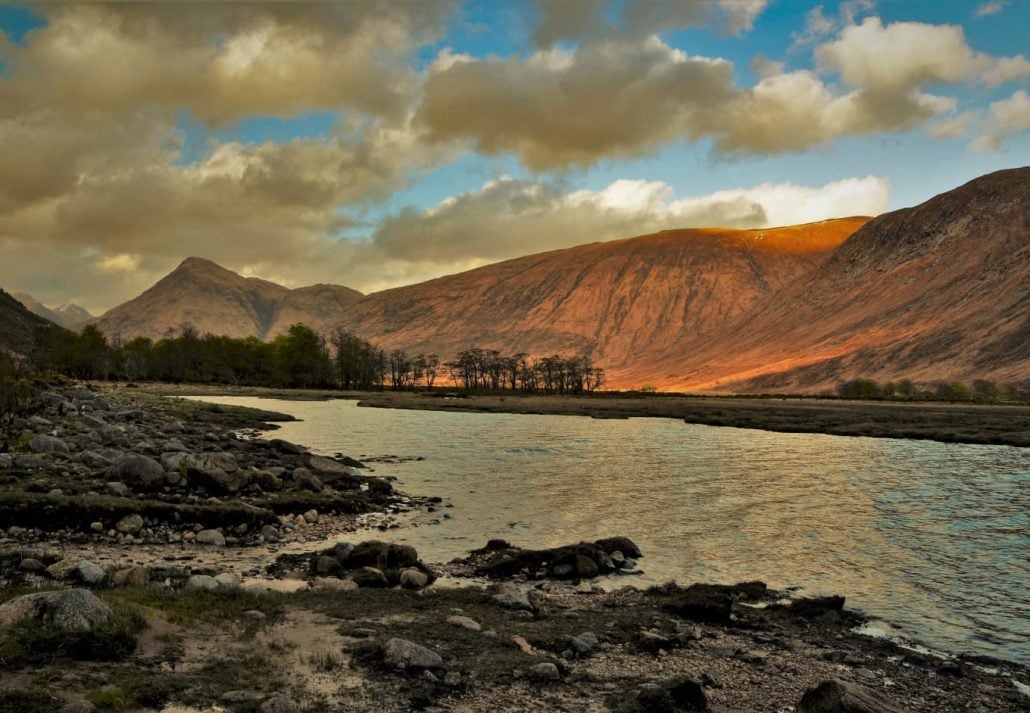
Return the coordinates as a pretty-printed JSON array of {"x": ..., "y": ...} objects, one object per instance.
[
  {"x": 162, "y": 555},
  {"x": 946, "y": 422}
]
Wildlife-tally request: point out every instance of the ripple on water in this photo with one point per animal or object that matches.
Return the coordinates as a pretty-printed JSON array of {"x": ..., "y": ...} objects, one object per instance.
[{"x": 929, "y": 536}]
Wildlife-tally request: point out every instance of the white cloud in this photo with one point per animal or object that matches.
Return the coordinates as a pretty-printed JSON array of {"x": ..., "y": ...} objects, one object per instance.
[
  {"x": 992, "y": 7},
  {"x": 954, "y": 127},
  {"x": 1008, "y": 117},
  {"x": 118, "y": 263}
]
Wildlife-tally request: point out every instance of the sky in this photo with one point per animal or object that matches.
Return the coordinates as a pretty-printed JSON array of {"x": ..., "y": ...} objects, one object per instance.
[{"x": 379, "y": 143}]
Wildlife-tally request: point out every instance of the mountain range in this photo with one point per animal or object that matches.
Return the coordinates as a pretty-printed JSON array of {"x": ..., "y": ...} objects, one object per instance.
[
  {"x": 68, "y": 315},
  {"x": 938, "y": 291}
]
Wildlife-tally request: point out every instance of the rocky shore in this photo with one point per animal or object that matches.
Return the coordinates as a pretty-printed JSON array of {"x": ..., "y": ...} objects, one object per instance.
[{"x": 165, "y": 555}]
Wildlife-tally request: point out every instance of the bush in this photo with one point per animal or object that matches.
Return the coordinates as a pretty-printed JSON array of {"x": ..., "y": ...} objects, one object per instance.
[
  {"x": 27, "y": 702},
  {"x": 17, "y": 391}
]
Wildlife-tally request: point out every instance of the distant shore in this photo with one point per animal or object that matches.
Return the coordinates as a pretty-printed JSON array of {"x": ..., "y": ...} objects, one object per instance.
[{"x": 983, "y": 424}]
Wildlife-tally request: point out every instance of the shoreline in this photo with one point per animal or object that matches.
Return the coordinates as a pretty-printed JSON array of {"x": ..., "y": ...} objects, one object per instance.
[
  {"x": 974, "y": 424},
  {"x": 543, "y": 636}
]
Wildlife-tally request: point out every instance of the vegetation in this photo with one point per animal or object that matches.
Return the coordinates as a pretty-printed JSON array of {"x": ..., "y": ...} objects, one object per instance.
[
  {"x": 301, "y": 358},
  {"x": 981, "y": 391},
  {"x": 29, "y": 643}
]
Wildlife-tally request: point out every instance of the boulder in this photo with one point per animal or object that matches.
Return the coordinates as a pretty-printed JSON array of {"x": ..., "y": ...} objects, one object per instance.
[
  {"x": 304, "y": 479},
  {"x": 282, "y": 446},
  {"x": 217, "y": 472},
  {"x": 835, "y": 696},
  {"x": 227, "y": 580},
  {"x": 370, "y": 577},
  {"x": 139, "y": 471},
  {"x": 710, "y": 603},
  {"x": 620, "y": 544},
  {"x": 130, "y": 524},
  {"x": 511, "y": 597},
  {"x": 279, "y": 704},
  {"x": 407, "y": 655},
  {"x": 90, "y": 573},
  {"x": 266, "y": 480},
  {"x": 48, "y": 444},
  {"x": 202, "y": 581},
  {"x": 70, "y": 609},
  {"x": 210, "y": 537},
  {"x": 130, "y": 577}
]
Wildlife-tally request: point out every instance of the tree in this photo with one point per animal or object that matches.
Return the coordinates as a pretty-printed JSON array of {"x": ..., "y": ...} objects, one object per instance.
[{"x": 301, "y": 359}]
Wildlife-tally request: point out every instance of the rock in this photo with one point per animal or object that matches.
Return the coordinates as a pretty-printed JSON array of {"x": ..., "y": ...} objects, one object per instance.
[
  {"x": 583, "y": 644},
  {"x": 465, "y": 622},
  {"x": 452, "y": 679},
  {"x": 62, "y": 569},
  {"x": 374, "y": 553},
  {"x": 96, "y": 526},
  {"x": 524, "y": 646},
  {"x": 130, "y": 415},
  {"x": 270, "y": 534},
  {"x": 623, "y": 545},
  {"x": 652, "y": 643},
  {"x": 334, "y": 584},
  {"x": 279, "y": 704},
  {"x": 119, "y": 489},
  {"x": 282, "y": 446},
  {"x": 113, "y": 436},
  {"x": 217, "y": 472},
  {"x": 586, "y": 567},
  {"x": 130, "y": 577},
  {"x": 228, "y": 580},
  {"x": 210, "y": 537},
  {"x": 546, "y": 671},
  {"x": 710, "y": 603},
  {"x": 329, "y": 470},
  {"x": 78, "y": 706},
  {"x": 89, "y": 573},
  {"x": 266, "y": 480},
  {"x": 253, "y": 615},
  {"x": 814, "y": 607},
  {"x": 407, "y": 655},
  {"x": 687, "y": 694},
  {"x": 6, "y": 461},
  {"x": 511, "y": 597},
  {"x": 326, "y": 565},
  {"x": 140, "y": 471},
  {"x": 70, "y": 609},
  {"x": 370, "y": 577},
  {"x": 48, "y": 444},
  {"x": 411, "y": 578},
  {"x": 835, "y": 696},
  {"x": 130, "y": 524},
  {"x": 31, "y": 565},
  {"x": 304, "y": 479},
  {"x": 379, "y": 486},
  {"x": 202, "y": 581},
  {"x": 311, "y": 517}
]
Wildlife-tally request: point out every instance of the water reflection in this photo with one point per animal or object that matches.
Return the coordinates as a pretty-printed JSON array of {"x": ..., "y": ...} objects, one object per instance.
[{"x": 931, "y": 537}]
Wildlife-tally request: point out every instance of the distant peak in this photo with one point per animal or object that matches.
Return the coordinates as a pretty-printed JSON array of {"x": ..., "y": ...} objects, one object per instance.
[{"x": 195, "y": 262}]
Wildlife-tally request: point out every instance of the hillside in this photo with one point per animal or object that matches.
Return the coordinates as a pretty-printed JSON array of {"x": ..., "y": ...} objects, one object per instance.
[
  {"x": 17, "y": 324},
  {"x": 611, "y": 300},
  {"x": 218, "y": 301},
  {"x": 68, "y": 315},
  {"x": 939, "y": 291}
]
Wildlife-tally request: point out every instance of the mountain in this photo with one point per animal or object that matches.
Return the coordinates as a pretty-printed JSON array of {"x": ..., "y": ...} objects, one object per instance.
[
  {"x": 612, "y": 300},
  {"x": 17, "y": 324},
  {"x": 218, "y": 301},
  {"x": 67, "y": 315},
  {"x": 940, "y": 291}
]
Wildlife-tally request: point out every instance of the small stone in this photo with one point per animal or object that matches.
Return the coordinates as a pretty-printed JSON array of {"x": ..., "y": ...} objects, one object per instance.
[
  {"x": 130, "y": 577},
  {"x": 334, "y": 583},
  {"x": 452, "y": 679},
  {"x": 524, "y": 646},
  {"x": 311, "y": 517},
  {"x": 412, "y": 578},
  {"x": 96, "y": 526},
  {"x": 465, "y": 623},
  {"x": 370, "y": 577},
  {"x": 546, "y": 671},
  {"x": 254, "y": 615},
  {"x": 48, "y": 444},
  {"x": 279, "y": 704},
  {"x": 511, "y": 597},
  {"x": 404, "y": 654}
]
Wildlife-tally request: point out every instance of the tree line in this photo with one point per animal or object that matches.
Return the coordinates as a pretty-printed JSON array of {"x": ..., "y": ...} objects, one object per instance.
[
  {"x": 300, "y": 358},
  {"x": 981, "y": 390}
]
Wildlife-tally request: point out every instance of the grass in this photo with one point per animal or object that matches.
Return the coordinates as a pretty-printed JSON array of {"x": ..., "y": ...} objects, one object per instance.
[
  {"x": 200, "y": 606},
  {"x": 18, "y": 701}
]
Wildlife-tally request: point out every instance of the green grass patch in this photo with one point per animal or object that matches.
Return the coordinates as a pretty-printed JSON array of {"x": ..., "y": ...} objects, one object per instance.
[
  {"x": 189, "y": 606},
  {"x": 27, "y": 702},
  {"x": 30, "y": 643}
]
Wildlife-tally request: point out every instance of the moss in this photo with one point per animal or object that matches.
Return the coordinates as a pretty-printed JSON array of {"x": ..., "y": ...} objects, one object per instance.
[
  {"x": 134, "y": 689},
  {"x": 30, "y": 643}
]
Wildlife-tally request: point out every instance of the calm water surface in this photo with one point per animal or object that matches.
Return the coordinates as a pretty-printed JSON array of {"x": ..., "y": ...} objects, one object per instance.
[{"x": 933, "y": 538}]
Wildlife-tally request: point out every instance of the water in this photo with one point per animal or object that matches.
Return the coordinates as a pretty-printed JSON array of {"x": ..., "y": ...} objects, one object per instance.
[{"x": 933, "y": 538}]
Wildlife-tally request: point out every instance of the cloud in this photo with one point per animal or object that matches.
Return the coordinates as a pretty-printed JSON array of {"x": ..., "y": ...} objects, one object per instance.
[
  {"x": 1008, "y": 117},
  {"x": 512, "y": 217},
  {"x": 634, "y": 20},
  {"x": 224, "y": 61},
  {"x": 954, "y": 127},
  {"x": 986, "y": 9},
  {"x": 118, "y": 263},
  {"x": 1002, "y": 70}
]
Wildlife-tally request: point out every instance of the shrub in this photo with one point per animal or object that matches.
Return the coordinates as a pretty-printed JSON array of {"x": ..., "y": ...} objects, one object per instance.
[{"x": 30, "y": 643}]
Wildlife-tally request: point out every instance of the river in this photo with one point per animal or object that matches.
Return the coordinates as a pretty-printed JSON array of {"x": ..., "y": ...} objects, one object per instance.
[{"x": 930, "y": 539}]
